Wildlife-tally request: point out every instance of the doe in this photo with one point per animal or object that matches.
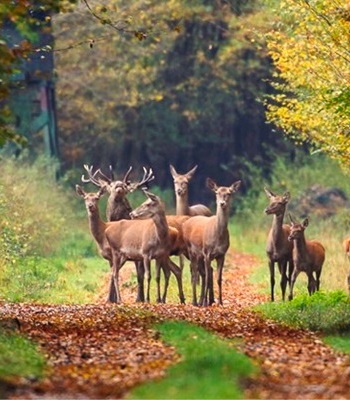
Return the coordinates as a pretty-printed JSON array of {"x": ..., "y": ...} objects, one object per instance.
[{"x": 308, "y": 256}]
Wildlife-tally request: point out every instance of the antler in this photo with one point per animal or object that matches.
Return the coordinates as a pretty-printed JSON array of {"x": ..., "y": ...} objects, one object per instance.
[
  {"x": 147, "y": 177},
  {"x": 91, "y": 176},
  {"x": 125, "y": 179}
]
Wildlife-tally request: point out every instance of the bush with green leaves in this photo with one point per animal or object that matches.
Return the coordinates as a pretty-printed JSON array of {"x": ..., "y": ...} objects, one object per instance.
[
  {"x": 327, "y": 312},
  {"x": 34, "y": 210}
]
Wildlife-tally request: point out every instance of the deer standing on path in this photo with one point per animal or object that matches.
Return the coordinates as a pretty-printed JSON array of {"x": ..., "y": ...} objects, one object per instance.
[
  {"x": 207, "y": 238},
  {"x": 279, "y": 249},
  {"x": 346, "y": 247},
  {"x": 181, "y": 182},
  {"x": 308, "y": 256},
  {"x": 118, "y": 207},
  {"x": 97, "y": 226},
  {"x": 142, "y": 240}
]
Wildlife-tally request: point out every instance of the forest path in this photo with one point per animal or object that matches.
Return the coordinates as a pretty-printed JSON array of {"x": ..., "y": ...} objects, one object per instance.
[{"x": 103, "y": 350}]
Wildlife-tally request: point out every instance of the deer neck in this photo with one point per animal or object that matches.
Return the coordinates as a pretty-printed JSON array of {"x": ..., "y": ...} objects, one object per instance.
[
  {"x": 300, "y": 246},
  {"x": 97, "y": 226},
  {"x": 222, "y": 216},
  {"x": 161, "y": 225},
  {"x": 182, "y": 207},
  {"x": 277, "y": 226},
  {"x": 117, "y": 209}
]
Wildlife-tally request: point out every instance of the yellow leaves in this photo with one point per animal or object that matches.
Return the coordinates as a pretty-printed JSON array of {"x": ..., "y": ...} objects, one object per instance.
[{"x": 310, "y": 53}]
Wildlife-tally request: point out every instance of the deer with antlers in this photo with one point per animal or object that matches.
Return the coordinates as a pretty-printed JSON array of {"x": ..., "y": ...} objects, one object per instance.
[
  {"x": 279, "y": 249},
  {"x": 207, "y": 238},
  {"x": 118, "y": 207},
  {"x": 144, "y": 240},
  {"x": 308, "y": 256}
]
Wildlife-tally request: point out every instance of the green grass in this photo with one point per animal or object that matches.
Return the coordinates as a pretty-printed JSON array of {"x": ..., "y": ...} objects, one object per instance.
[
  {"x": 53, "y": 280},
  {"x": 327, "y": 312},
  {"x": 339, "y": 342},
  {"x": 210, "y": 368},
  {"x": 19, "y": 357}
]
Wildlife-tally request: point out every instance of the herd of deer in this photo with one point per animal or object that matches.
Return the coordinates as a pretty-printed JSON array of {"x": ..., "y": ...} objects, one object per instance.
[{"x": 147, "y": 233}]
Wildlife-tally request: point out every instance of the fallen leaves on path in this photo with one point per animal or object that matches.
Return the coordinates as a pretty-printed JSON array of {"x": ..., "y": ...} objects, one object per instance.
[{"x": 101, "y": 351}]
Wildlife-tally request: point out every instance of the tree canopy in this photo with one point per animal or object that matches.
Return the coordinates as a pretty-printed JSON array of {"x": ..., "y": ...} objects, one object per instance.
[{"x": 310, "y": 48}]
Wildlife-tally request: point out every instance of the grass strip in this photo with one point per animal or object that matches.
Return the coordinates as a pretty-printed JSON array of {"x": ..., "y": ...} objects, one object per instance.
[
  {"x": 210, "y": 368},
  {"x": 19, "y": 357}
]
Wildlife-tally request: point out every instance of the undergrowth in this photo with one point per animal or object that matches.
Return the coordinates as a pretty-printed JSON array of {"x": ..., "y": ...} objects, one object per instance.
[{"x": 326, "y": 312}]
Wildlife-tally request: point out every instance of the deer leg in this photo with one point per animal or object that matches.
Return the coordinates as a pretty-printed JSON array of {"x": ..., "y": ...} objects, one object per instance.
[
  {"x": 178, "y": 275},
  {"x": 194, "y": 273},
  {"x": 311, "y": 285},
  {"x": 272, "y": 279},
  {"x": 220, "y": 265},
  {"x": 115, "y": 277},
  {"x": 166, "y": 270},
  {"x": 158, "y": 268},
  {"x": 293, "y": 279},
  {"x": 140, "y": 272},
  {"x": 147, "y": 264},
  {"x": 207, "y": 268},
  {"x": 284, "y": 278},
  {"x": 348, "y": 280},
  {"x": 290, "y": 270},
  {"x": 201, "y": 278},
  {"x": 318, "y": 274}
]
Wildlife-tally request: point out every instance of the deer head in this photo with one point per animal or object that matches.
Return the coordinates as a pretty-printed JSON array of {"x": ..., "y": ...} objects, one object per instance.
[
  {"x": 277, "y": 204},
  {"x": 91, "y": 199},
  {"x": 223, "y": 193},
  {"x": 118, "y": 188},
  {"x": 148, "y": 208},
  {"x": 297, "y": 229},
  {"x": 181, "y": 180}
]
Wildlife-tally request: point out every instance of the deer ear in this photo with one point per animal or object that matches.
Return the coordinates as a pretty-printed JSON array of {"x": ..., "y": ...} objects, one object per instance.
[
  {"x": 191, "y": 172},
  {"x": 80, "y": 190},
  {"x": 305, "y": 222},
  {"x": 268, "y": 192},
  {"x": 151, "y": 196},
  {"x": 102, "y": 191},
  {"x": 211, "y": 184},
  {"x": 286, "y": 197},
  {"x": 173, "y": 172},
  {"x": 235, "y": 186},
  {"x": 292, "y": 222}
]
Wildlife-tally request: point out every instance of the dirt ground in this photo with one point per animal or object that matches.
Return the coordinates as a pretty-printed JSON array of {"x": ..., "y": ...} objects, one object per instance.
[{"x": 101, "y": 351}]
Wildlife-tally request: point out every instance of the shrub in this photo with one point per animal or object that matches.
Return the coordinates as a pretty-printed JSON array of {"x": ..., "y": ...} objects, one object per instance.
[{"x": 324, "y": 312}]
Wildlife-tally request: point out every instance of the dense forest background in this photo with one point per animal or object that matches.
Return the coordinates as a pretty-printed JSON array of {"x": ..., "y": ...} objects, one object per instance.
[
  {"x": 219, "y": 83},
  {"x": 187, "y": 88}
]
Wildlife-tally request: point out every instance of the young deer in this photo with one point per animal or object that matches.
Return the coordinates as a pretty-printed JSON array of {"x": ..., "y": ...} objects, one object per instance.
[
  {"x": 308, "y": 256},
  {"x": 278, "y": 248},
  {"x": 118, "y": 206},
  {"x": 181, "y": 182},
  {"x": 346, "y": 247},
  {"x": 207, "y": 238},
  {"x": 143, "y": 240}
]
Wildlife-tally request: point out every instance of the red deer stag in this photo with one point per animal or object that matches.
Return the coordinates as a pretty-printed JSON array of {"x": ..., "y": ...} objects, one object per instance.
[
  {"x": 207, "y": 238},
  {"x": 278, "y": 248},
  {"x": 142, "y": 240},
  {"x": 118, "y": 207},
  {"x": 308, "y": 256},
  {"x": 346, "y": 247}
]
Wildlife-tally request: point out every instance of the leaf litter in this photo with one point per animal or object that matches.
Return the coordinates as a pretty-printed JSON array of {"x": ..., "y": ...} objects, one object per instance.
[{"x": 103, "y": 350}]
